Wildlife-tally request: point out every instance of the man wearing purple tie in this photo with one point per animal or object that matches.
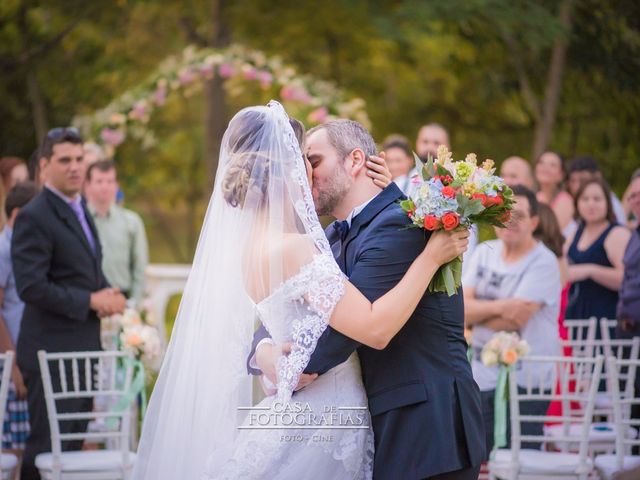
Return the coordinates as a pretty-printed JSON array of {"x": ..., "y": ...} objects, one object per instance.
[{"x": 57, "y": 259}]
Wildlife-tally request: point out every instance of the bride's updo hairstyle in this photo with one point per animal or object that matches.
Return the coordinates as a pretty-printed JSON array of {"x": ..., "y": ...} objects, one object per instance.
[{"x": 249, "y": 165}]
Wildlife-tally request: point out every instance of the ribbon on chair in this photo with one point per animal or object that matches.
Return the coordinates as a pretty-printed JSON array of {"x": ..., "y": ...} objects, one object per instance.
[
  {"x": 500, "y": 401},
  {"x": 136, "y": 388}
]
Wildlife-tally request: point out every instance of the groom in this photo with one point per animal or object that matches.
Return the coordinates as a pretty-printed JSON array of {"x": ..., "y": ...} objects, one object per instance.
[{"x": 424, "y": 403}]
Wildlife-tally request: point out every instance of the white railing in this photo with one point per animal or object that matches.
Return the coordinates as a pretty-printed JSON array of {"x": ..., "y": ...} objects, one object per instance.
[{"x": 162, "y": 282}]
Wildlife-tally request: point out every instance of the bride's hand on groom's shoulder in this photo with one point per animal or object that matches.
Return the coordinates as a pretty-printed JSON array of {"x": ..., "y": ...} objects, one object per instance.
[
  {"x": 267, "y": 356},
  {"x": 443, "y": 246},
  {"x": 378, "y": 171}
]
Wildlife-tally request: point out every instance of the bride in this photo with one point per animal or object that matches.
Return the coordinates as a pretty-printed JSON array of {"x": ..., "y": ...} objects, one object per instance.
[{"x": 263, "y": 256}]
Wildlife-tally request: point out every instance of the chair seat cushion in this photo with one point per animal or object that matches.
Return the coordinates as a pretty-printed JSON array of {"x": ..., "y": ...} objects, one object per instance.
[
  {"x": 538, "y": 462},
  {"x": 607, "y": 465},
  {"x": 8, "y": 461},
  {"x": 598, "y": 432},
  {"x": 86, "y": 461}
]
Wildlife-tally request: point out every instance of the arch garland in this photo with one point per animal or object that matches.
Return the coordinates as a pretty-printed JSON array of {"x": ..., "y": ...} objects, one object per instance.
[{"x": 128, "y": 115}]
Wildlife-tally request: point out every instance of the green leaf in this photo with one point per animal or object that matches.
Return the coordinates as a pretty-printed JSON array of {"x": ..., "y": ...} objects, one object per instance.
[
  {"x": 407, "y": 205},
  {"x": 419, "y": 162},
  {"x": 473, "y": 207},
  {"x": 449, "y": 281},
  {"x": 440, "y": 170}
]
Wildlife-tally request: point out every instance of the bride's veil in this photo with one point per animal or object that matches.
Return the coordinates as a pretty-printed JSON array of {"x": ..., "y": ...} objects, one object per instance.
[{"x": 261, "y": 203}]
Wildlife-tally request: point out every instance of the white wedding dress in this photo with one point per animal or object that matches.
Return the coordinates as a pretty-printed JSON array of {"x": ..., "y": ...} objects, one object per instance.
[
  {"x": 261, "y": 202},
  {"x": 345, "y": 452}
]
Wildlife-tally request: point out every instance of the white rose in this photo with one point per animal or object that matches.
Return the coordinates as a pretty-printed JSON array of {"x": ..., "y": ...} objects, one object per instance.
[{"x": 489, "y": 357}]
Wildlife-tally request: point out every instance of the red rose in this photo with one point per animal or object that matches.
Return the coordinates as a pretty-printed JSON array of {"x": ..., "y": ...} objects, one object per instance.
[
  {"x": 498, "y": 200},
  {"x": 450, "y": 220},
  {"x": 449, "y": 192},
  {"x": 431, "y": 222},
  {"x": 478, "y": 196},
  {"x": 445, "y": 179}
]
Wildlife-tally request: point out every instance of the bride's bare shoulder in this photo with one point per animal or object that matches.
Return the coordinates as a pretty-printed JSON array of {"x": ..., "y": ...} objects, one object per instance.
[{"x": 297, "y": 250}]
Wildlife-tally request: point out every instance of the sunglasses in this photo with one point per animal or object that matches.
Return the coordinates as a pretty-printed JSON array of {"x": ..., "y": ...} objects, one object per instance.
[{"x": 60, "y": 132}]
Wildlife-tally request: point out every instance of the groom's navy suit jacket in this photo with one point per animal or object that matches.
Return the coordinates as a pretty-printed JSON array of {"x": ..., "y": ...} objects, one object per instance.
[{"x": 424, "y": 403}]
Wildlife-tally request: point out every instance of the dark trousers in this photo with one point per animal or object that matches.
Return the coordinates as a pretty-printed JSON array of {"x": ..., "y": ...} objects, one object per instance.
[
  {"x": 526, "y": 408},
  {"x": 39, "y": 440},
  {"x": 470, "y": 473}
]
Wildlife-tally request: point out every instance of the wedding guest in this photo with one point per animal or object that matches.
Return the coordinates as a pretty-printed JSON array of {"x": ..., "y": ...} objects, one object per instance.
[
  {"x": 548, "y": 232},
  {"x": 550, "y": 174},
  {"x": 93, "y": 153},
  {"x": 121, "y": 231},
  {"x": 513, "y": 284},
  {"x": 517, "y": 171},
  {"x": 13, "y": 170},
  {"x": 595, "y": 253},
  {"x": 16, "y": 417},
  {"x": 628, "y": 308},
  {"x": 400, "y": 160},
  {"x": 584, "y": 168},
  {"x": 56, "y": 257},
  {"x": 430, "y": 137}
]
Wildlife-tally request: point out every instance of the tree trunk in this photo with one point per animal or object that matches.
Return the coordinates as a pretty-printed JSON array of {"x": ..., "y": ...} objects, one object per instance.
[
  {"x": 216, "y": 105},
  {"x": 544, "y": 126},
  {"x": 37, "y": 105}
]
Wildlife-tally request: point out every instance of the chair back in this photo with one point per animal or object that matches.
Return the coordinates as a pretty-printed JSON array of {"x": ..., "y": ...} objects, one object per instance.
[
  {"x": 623, "y": 401},
  {"x": 88, "y": 375},
  {"x": 577, "y": 378},
  {"x": 581, "y": 333}
]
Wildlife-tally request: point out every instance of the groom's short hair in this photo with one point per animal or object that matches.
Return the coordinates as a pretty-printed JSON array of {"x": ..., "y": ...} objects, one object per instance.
[{"x": 347, "y": 135}]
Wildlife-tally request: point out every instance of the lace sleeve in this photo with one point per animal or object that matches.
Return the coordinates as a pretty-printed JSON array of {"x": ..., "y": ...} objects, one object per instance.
[{"x": 318, "y": 288}]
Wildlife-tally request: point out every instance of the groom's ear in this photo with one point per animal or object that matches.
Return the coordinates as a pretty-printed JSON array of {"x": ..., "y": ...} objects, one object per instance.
[{"x": 358, "y": 161}]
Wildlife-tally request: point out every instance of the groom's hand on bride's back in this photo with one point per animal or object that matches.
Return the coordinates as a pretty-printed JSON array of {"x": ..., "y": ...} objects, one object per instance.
[{"x": 267, "y": 357}]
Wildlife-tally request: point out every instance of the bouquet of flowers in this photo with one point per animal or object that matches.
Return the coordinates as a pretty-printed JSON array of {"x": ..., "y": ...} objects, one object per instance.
[
  {"x": 504, "y": 349},
  {"x": 136, "y": 333},
  {"x": 456, "y": 194}
]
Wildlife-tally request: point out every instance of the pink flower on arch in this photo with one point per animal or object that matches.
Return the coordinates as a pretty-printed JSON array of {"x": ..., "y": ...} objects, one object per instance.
[
  {"x": 139, "y": 110},
  {"x": 112, "y": 137},
  {"x": 296, "y": 94},
  {"x": 226, "y": 70},
  {"x": 207, "y": 71},
  {"x": 186, "y": 77},
  {"x": 160, "y": 95},
  {"x": 265, "y": 78},
  {"x": 250, "y": 73},
  {"x": 319, "y": 115}
]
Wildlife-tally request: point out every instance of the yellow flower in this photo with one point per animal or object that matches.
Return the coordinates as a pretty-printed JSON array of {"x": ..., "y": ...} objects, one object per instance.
[
  {"x": 471, "y": 158},
  {"x": 469, "y": 189},
  {"x": 444, "y": 155},
  {"x": 488, "y": 164}
]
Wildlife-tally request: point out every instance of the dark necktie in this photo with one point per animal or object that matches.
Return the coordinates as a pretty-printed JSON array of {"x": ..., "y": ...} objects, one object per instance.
[
  {"x": 79, "y": 211},
  {"x": 342, "y": 227}
]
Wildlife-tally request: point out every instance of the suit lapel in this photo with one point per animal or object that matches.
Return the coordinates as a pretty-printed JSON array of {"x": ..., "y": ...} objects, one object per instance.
[
  {"x": 381, "y": 201},
  {"x": 69, "y": 218}
]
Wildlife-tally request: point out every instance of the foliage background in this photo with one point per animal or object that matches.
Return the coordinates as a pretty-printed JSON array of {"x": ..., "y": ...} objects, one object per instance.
[{"x": 489, "y": 70}]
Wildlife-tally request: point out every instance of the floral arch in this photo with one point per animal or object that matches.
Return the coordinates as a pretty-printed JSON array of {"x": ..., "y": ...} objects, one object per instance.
[{"x": 128, "y": 115}]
